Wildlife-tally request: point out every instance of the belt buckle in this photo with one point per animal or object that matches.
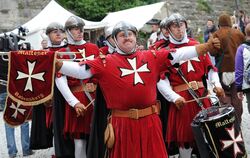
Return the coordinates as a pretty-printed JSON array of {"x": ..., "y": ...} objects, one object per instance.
[
  {"x": 134, "y": 114},
  {"x": 194, "y": 85}
]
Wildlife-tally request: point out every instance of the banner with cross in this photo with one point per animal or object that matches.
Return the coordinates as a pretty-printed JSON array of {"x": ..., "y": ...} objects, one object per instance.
[
  {"x": 31, "y": 76},
  {"x": 16, "y": 114}
]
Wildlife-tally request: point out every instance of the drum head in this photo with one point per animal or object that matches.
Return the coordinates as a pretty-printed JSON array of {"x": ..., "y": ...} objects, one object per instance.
[{"x": 213, "y": 113}]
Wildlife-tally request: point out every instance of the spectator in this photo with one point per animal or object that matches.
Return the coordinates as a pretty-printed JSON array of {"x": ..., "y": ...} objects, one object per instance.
[
  {"x": 155, "y": 24},
  {"x": 210, "y": 28},
  {"x": 10, "y": 135},
  {"x": 100, "y": 42},
  {"x": 11, "y": 142},
  {"x": 190, "y": 33},
  {"x": 243, "y": 20},
  {"x": 230, "y": 39},
  {"x": 242, "y": 58},
  {"x": 2, "y": 97},
  {"x": 44, "y": 44},
  {"x": 234, "y": 21}
]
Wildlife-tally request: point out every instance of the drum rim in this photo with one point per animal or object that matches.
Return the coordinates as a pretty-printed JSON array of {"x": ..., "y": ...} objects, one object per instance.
[{"x": 230, "y": 107}]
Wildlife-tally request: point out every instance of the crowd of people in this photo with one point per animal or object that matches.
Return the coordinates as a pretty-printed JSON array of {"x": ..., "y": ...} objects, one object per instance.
[{"x": 105, "y": 99}]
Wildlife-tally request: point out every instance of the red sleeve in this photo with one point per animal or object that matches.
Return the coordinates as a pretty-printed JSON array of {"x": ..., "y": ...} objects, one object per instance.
[
  {"x": 96, "y": 67},
  {"x": 92, "y": 49},
  {"x": 104, "y": 50}
]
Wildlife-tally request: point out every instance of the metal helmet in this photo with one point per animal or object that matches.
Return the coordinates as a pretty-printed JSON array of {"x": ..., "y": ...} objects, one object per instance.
[
  {"x": 54, "y": 26},
  {"x": 123, "y": 26},
  {"x": 73, "y": 22},
  {"x": 108, "y": 31},
  {"x": 162, "y": 23},
  {"x": 174, "y": 18}
]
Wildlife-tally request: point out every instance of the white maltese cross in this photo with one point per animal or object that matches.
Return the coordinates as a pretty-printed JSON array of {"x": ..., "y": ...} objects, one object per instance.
[
  {"x": 84, "y": 57},
  {"x": 234, "y": 141},
  {"x": 135, "y": 71},
  {"x": 30, "y": 76},
  {"x": 17, "y": 109},
  {"x": 190, "y": 66}
]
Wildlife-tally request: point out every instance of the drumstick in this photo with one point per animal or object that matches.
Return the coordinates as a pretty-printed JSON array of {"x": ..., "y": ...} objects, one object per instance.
[
  {"x": 197, "y": 99},
  {"x": 89, "y": 104},
  {"x": 86, "y": 107}
]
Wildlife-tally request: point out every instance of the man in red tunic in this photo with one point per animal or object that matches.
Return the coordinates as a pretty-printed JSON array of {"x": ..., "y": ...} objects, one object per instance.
[
  {"x": 128, "y": 81},
  {"x": 77, "y": 126},
  {"x": 196, "y": 71},
  {"x": 41, "y": 129}
]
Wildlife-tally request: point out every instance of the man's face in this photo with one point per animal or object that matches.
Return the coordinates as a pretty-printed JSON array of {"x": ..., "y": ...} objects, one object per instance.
[
  {"x": 126, "y": 42},
  {"x": 178, "y": 31},
  {"x": 154, "y": 28},
  {"x": 77, "y": 33},
  {"x": 56, "y": 36},
  {"x": 209, "y": 24},
  {"x": 44, "y": 44}
]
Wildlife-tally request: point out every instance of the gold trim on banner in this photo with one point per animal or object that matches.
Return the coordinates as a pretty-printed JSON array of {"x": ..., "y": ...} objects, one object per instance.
[
  {"x": 13, "y": 126},
  {"x": 33, "y": 103}
]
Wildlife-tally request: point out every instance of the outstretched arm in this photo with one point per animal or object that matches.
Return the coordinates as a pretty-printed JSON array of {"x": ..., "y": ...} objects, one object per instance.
[
  {"x": 73, "y": 69},
  {"x": 189, "y": 52}
]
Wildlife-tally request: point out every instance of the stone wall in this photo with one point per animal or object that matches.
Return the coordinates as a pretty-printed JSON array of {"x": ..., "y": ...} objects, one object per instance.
[
  {"x": 14, "y": 13},
  {"x": 197, "y": 17}
]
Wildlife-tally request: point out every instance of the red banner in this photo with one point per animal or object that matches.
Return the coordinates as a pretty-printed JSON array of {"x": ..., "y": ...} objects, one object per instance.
[
  {"x": 16, "y": 114},
  {"x": 31, "y": 76}
]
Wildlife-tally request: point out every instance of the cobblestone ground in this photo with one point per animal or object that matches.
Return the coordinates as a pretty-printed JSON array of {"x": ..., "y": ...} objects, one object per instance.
[{"x": 48, "y": 152}]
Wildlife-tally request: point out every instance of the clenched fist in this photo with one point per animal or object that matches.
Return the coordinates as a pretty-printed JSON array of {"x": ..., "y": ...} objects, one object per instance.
[
  {"x": 80, "y": 109},
  {"x": 219, "y": 91},
  {"x": 179, "y": 103},
  {"x": 212, "y": 46}
]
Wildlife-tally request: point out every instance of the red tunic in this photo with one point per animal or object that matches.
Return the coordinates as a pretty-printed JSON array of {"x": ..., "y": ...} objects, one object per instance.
[
  {"x": 104, "y": 50},
  {"x": 159, "y": 44},
  {"x": 73, "y": 125},
  {"x": 130, "y": 82},
  {"x": 179, "y": 129}
]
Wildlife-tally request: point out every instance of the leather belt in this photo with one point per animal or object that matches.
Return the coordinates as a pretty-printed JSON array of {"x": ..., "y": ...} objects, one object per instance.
[
  {"x": 138, "y": 113},
  {"x": 82, "y": 88},
  {"x": 195, "y": 85}
]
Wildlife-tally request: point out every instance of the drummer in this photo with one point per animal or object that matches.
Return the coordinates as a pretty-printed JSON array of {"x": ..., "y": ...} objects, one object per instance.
[{"x": 189, "y": 74}]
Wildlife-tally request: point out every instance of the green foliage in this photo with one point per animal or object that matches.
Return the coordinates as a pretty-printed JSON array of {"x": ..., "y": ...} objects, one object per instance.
[
  {"x": 204, "y": 6},
  {"x": 142, "y": 38},
  {"x": 96, "y": 10},
  {"x": 20, "y": 5},
  {"x": 200, "y": 38}
]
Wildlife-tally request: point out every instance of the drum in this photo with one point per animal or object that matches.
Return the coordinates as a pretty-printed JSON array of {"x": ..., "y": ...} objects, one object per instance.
[{"x": 217, "y": 134}]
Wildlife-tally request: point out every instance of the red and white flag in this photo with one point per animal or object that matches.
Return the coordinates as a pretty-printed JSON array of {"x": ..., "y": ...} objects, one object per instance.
[
  {"x": 31, "y": 76},
  {"x": 16, "y": 114}
]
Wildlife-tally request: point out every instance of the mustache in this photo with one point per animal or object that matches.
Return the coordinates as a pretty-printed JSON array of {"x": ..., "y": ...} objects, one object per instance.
[{"x": 128, "y": 40}]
